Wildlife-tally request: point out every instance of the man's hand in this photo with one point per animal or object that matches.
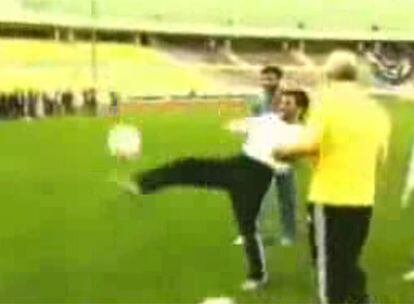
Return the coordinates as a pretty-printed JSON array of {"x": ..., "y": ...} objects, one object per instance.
[
  {"x": 282, "y": 153},
  {"x": 236, "y": 126},
  {"x": 294, "y": 151}
]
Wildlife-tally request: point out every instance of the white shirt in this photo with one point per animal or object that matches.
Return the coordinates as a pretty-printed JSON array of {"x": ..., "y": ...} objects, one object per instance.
[
  {"x": 78, "y": 101},
  {"x": 265, "y": 133}
]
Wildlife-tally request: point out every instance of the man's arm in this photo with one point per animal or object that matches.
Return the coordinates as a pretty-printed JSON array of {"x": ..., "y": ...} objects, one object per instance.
[
  {"x": 305, "y": 148},
  {"x": 237, "y": 126},
  {"x": 255, "y": 105},
  {"x": 310, "y": 139}
]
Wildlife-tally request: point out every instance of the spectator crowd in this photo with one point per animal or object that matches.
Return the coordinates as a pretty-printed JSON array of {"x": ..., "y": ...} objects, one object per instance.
[{"x": 37, "y": 104}]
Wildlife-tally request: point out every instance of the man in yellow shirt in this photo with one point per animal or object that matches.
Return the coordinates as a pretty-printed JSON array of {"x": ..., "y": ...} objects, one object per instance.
[{"x": 348, "y": 134}]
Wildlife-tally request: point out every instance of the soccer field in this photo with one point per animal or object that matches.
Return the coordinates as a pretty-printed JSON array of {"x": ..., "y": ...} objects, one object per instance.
[{"x": 69, "y": 236}]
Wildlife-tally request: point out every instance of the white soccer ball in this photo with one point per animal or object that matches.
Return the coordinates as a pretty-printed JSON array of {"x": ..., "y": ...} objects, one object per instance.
[{"x": 124, "y": 141}]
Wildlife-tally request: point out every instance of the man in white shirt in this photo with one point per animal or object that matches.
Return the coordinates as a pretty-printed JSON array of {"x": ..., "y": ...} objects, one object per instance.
[
  {"x": 271, "y": 78},
  {"x": 245, "y": 176}
]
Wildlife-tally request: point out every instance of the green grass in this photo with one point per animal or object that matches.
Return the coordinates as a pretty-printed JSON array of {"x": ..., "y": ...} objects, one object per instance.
[{"x": 69, "y": 236}]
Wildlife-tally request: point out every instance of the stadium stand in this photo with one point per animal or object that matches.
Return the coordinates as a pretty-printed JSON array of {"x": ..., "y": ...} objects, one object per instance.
[
  {"x": 149, "y": 49},
  {"x": 127, "y": 68}
]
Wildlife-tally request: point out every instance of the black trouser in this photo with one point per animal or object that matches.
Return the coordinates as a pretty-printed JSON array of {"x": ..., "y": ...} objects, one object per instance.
[
  {"x": 337, "y": 236},
  {"x": 245, "y": 180}
]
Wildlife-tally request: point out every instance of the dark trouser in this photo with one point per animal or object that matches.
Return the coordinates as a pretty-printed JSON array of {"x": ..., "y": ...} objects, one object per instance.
[
  {"x": 245, "y": 180},
  {"x": 286, "y": 192},
  {"x": 337, "y": 236}
]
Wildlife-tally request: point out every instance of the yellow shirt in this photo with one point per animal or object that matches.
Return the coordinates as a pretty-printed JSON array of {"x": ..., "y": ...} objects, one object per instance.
[{"x": 352, "y": 133}]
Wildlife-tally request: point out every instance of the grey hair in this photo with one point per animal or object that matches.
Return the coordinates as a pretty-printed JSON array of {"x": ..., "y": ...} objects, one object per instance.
[{"x": 341, "y": 66}]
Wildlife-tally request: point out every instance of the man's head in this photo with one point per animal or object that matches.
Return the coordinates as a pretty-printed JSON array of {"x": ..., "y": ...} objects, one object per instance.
[
  {"x": 341, "y": 66},
  {"x": 270, "y": 77},
  {"x": 293, "y": 105}
]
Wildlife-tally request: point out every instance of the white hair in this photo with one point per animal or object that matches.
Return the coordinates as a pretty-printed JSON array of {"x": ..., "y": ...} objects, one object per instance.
[{"x": 341, "y": 65}]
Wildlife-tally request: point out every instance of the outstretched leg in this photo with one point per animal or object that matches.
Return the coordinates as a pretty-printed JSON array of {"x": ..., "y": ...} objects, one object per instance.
[
  {"x": 246, "y": 181},
  {"x": 197, "y": 172}
]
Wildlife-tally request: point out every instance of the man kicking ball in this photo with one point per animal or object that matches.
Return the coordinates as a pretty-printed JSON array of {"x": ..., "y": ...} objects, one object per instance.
[{"x": 245, "y": 176}]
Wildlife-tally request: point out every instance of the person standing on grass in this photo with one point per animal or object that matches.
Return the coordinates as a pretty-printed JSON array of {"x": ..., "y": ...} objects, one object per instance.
[
  {"x": 270, "y": 78},
  {"x": 115, "y": 98},
  {"x": 348, "y": 132},
  {"x": 245, "y": 176}
]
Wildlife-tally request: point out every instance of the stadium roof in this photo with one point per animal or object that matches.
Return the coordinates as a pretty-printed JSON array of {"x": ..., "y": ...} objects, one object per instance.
[{"x": 32, "y": 19}]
